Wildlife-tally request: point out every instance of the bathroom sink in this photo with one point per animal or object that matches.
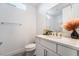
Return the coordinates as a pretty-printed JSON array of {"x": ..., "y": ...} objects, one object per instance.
[{"x": 53, "y": 37}]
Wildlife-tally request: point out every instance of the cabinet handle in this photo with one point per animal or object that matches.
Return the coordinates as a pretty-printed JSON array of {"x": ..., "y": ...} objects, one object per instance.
[{"x": 45, "y": 52}]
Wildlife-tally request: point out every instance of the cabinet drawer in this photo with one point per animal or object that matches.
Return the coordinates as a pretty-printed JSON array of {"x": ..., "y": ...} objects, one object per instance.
[
  {"x": 48, "y": 44},
  {"x": 64, "y": 51}
]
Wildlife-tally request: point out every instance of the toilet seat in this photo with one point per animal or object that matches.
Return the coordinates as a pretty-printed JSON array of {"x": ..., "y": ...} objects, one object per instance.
[{"x": 30, "y": 47}]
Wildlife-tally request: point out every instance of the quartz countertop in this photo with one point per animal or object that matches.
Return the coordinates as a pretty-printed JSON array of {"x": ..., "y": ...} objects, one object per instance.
[{"x": 68, "y": 42}]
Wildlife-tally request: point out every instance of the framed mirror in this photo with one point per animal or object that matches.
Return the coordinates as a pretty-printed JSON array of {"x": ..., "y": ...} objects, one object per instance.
[{"x": 55, "y": 17}]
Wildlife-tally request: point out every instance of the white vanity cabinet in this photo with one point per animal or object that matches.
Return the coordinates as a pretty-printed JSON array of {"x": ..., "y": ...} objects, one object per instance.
[
  {"x": 45, "y": 47},
  {"x": 64, "y": 51},
  {"x": 43, "y": 51},
  {"x": 50, "y": 53},
  {"x": 39, "y": 50}
]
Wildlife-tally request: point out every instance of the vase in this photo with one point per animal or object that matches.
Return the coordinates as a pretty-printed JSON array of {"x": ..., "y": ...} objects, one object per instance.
[{"x": 74, "y": 35}]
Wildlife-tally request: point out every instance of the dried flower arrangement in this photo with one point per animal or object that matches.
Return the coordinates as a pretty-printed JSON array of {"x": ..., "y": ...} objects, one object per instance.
[{"x": 72, "y": 25}]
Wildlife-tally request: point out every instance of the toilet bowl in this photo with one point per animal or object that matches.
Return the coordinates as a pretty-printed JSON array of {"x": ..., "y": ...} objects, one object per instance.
[{"x": 30, "y": 49}]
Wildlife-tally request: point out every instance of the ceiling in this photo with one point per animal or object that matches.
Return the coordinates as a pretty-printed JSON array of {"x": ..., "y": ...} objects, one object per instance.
[{"x": 33, "y": 4}]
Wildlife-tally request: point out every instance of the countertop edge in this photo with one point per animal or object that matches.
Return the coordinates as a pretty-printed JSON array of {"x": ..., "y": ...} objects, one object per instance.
[{"x": 60, "y": 43}]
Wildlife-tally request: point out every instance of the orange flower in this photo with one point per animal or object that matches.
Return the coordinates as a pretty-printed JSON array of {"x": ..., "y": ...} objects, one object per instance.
[{"x": 72, "y": 24}]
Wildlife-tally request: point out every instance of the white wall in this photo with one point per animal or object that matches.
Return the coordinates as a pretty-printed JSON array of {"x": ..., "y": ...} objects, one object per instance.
[{"x": 15, "y": 37}]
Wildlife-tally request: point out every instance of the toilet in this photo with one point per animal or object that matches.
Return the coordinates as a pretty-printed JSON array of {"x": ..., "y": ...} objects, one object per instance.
[{"x": 30, "y": 49}]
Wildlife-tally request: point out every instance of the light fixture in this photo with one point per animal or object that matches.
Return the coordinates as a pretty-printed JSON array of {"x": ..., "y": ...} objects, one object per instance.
[{"x": 18, "y": 5}]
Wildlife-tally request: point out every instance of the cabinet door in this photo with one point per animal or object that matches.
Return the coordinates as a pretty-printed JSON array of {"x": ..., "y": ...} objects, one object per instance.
[
  {"x": 48, "y": 44},
  {"x": 64, "y": 51},
  {"x": 39, "y": 50},
  {"x": 42, "y": 51}
]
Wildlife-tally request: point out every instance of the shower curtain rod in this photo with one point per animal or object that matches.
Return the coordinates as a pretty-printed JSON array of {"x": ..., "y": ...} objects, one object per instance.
[{"x": 9, "y": 23}]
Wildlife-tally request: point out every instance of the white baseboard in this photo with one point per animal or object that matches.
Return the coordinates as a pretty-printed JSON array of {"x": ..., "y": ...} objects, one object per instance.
[{"x": 15, "y": 52}]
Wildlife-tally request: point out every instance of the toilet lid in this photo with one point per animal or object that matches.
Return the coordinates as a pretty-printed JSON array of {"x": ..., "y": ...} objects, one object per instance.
[{"x": 32, "y": 45}]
